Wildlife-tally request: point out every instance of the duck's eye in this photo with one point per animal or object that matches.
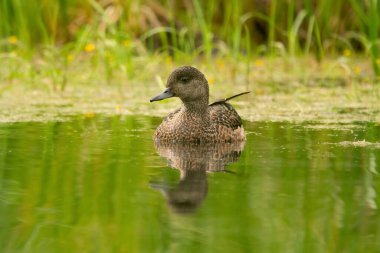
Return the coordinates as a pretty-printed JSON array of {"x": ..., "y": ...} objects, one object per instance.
[{"x": 184, "y": 79}]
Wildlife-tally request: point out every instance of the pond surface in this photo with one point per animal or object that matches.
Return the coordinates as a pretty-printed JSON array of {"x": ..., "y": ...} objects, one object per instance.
[{"x": 99, "y": 184}]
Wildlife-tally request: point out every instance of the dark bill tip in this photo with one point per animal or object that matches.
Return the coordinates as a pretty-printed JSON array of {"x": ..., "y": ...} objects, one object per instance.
[{"x": 164, "y": 95}]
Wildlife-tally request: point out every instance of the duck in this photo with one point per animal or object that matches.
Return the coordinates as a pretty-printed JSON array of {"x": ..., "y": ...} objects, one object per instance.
[
  {"x": 193, "y": 162},
  {"x": 197, "y": 121}
]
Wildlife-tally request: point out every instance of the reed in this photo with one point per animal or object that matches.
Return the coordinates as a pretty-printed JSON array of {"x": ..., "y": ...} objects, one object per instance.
[{"x": 191, "y": 29}]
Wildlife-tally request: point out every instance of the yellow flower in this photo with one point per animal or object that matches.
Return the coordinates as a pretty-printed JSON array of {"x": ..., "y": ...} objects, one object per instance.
[
  {"x": 347, "y": 52},
  {"x": 12, "y": 40},
  {"x": 168, "y": 60},
  {"x": 357, "y": 70},
  {"x": 70, "y": 58},
  {"x": 127, "y": 43},
  {"x": 89, "y": 47},
  {"x": 211, "y": 80},
  {"x": 220, "y": 64},
  {"x": 117, "y": 108},
  {"x": 259, "y": 92},
  {"x": 89, "y": 114},
  {"x": 378, "y": 62},
  {"x": 259, "y": 63}
]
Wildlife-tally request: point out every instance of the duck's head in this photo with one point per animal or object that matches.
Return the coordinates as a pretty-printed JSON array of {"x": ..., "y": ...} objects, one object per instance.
[{"x": 187, "y": 83}]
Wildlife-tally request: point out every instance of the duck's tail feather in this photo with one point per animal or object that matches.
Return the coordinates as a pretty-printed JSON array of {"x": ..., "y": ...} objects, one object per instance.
[
  {"x": 237, "y": 95},
  {"x": 227, "y": 99}
]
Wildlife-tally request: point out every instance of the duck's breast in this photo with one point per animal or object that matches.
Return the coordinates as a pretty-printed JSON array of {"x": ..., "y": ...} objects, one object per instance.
[{"x": 181, "y": 127}]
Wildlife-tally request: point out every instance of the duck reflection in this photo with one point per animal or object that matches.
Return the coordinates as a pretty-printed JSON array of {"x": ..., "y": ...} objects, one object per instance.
[{"x": 194, "y": 161}]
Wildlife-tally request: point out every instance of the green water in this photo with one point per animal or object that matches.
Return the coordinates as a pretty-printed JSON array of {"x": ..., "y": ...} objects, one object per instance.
[{"x": 99, "y": 185}]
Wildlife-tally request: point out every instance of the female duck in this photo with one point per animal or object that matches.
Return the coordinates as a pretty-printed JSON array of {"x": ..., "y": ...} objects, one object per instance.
[{"x": 197, "y": 121}]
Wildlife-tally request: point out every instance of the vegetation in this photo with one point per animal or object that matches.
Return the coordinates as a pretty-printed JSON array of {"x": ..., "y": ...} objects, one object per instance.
[{"x": 65, "y": 45}]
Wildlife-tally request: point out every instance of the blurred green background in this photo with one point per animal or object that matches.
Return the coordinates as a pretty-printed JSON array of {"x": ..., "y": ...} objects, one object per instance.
[
  {"x": 178, "y": 28},
  {"x": 122, "y": 50}
]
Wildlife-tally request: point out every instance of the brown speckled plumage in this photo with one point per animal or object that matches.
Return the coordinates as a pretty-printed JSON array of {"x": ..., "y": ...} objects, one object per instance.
[{"x": 197, "y": 121}]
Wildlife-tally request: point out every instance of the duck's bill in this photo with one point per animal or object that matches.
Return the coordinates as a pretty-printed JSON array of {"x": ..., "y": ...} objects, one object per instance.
[{"x": 164, "y": 95}]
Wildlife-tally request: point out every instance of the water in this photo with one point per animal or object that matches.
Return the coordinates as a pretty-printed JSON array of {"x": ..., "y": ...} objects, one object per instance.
[{"x": 98, "y": 184}]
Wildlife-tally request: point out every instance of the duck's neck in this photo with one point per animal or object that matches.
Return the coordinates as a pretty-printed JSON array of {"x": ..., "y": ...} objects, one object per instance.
[{"x": 198, "y": 107}]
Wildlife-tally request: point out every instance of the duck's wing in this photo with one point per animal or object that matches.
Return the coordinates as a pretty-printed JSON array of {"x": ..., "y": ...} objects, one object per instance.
[{"x": 224, "y": 114}]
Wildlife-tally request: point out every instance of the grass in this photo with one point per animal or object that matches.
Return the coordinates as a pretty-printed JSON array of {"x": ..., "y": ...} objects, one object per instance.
[
  {"x": 199, "y": 28},
  {"x": 57, "y": 48},
  {"x": 336, "y": 91}
]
